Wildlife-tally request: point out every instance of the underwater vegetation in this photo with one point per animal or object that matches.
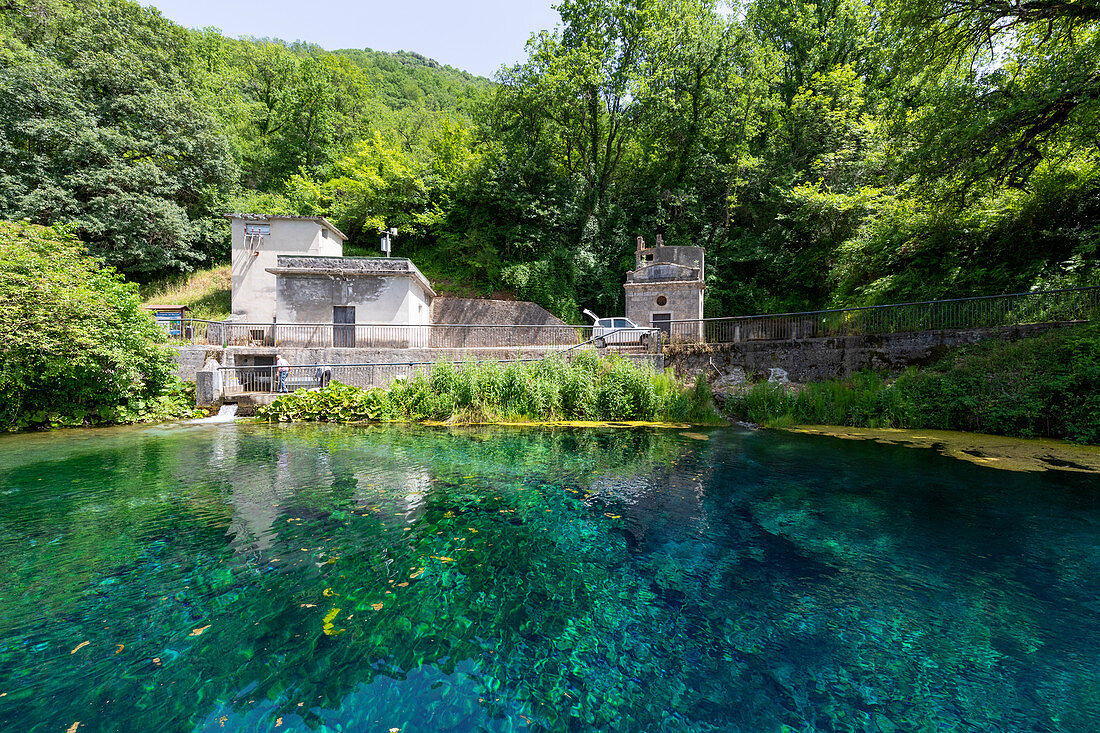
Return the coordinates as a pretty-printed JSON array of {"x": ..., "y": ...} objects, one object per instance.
[{"x": 324, "y": 577}]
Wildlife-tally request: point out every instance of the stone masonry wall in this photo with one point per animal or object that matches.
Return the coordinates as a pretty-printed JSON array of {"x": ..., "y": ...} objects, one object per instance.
[{"x": 816, "y": 359}]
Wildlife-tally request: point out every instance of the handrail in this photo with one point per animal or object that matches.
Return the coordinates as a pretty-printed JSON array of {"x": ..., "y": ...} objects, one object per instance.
[
  {"x": 891, "y": 305},
  {"x": 986, "y": 311}
]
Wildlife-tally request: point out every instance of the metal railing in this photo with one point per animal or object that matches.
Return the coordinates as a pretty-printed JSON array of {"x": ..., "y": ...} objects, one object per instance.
[
  {"x": 434, "y": 336},
  {"x": 244, "y": 379},
  {"x": 238, "y": 380},
  {"x": 322, "y": 335},
  {"x": 1051, "y": 306}
]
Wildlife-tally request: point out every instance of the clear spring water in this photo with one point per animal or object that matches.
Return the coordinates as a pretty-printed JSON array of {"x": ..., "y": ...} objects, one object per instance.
[{"x": 250, "y": 577}]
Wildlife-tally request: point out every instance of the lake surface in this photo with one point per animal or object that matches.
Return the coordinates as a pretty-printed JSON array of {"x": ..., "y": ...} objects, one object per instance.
[{"x": 248, "y": 577}]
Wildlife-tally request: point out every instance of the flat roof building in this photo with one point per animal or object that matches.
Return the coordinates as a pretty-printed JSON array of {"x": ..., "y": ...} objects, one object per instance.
[{"x": 258, "y": 240}]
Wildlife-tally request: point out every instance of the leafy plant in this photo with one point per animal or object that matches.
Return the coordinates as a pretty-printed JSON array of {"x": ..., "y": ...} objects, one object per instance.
[
  {"x": 78, "y": 347},
  {"x": 588, "y": 388}
]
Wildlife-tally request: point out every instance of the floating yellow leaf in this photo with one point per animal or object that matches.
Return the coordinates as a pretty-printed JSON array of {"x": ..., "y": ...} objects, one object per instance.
[
  {"x": 329, "y": 592},
  {"x": 417, "y": 574},
  {"x": 327, "y": 626},
  {"x": 278, "y": 722},
  {"x": 402, "y": 585},
  {"x": 72, "y": 728},
  {"x": 308, "y": 605},
  {"x": 443, "y": 558},
  {"x": 198, "y": 631},
  {"x": 120, "y": 648},
  {"x": 376, "y": 606},
  {"x": 79, "y": 646}
]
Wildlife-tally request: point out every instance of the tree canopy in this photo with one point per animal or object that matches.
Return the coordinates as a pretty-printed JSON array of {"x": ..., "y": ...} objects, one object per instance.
[{"x": 825, "y": 152}]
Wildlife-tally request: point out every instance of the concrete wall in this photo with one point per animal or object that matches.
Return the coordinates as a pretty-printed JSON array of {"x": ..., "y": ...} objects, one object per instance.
[
  {"x": 253, "y": 286},
  {"x": 190, "y": 359},
  {"x": 491, "y": 312},
  {"x": 816, "y": 359},
  {"x": 377, "y": 299}
]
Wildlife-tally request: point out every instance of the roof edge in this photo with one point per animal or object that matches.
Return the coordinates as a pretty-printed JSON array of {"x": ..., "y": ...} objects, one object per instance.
[{"x": 290, "y": 217}]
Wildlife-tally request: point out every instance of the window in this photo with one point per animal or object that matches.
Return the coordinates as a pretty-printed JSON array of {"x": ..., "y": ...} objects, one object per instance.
[
  {"x": 257, "y": 230},
  {"x": 662, "y": 300},
  {"x": 622, "y": 323},
  {"x": 605, "y": 323}
]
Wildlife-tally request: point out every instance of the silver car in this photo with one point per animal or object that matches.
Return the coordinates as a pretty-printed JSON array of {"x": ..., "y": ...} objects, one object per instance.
[{"x": 619, "y": 331}]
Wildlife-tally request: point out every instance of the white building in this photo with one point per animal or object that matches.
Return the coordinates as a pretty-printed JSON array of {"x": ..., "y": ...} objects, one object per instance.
[
  {"x": 258, "y": 240},
  {"x": 291, "y": 270}
]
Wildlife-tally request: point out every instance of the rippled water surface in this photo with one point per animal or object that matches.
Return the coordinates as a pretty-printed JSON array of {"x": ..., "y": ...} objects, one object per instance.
[{"x": 249, "y": 577}]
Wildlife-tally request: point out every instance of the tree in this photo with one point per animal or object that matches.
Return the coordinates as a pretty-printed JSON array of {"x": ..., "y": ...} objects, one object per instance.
[
  {"x": 99, "y": 129},
  {"x": 78, "y": 346}
]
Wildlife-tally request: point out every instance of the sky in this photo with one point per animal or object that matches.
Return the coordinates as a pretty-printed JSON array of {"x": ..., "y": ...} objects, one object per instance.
[{"x": 474, "y": 35}]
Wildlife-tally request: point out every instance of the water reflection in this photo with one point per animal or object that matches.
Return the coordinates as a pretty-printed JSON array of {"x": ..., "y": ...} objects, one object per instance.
[{"x": 228, "y": 577}]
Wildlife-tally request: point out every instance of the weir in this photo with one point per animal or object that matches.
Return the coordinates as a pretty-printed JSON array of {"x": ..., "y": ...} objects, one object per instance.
[{"x": 226, "y": 413}]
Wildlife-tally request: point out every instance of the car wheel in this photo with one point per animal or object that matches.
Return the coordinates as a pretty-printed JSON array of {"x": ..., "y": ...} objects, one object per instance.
[{"x": 601, "y": 343}]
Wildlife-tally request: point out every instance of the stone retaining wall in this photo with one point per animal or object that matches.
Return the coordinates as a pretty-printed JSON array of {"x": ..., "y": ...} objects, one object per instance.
[
  {"x": 190, "y": 359},
  {"x": 816, "y": 359}
]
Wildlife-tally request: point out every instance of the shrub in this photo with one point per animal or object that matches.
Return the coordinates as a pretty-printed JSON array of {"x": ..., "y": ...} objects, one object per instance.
[
  {"x": 550, "y": 389},
  {"x": 78, "y": 347},
  {"x": 1046, "y": 385}
]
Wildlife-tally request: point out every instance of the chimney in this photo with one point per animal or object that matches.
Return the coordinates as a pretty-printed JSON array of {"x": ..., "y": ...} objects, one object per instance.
[
  {"x": 660, "y": 241},
  {"x": 641, "y": 243}
]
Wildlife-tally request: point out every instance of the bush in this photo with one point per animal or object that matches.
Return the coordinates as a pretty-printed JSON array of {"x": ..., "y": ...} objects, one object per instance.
[
  {"x": 1047, "y": 385},
  {"x": 78, "y": 347},
  {"x": 587, "y": 388}
]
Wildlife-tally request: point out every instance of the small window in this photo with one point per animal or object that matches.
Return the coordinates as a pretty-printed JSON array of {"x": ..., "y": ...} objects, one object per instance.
[
  {"x": 622, "y": 323},
  {"x": 261, "y": 230},
  {"x": 605, "y": 323},
  {"x": 662, "y": 300}
]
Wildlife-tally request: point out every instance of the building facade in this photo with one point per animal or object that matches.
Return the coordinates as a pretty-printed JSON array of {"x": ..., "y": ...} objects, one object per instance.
[
  {"x": 257, "y": 242},
  {"x": 666, "y": 285},
  {"x": 385, "y": 301}
]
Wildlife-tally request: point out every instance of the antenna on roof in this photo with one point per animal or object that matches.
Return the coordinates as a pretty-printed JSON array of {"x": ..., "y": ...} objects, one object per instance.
[{"x": 387, "y": 243}]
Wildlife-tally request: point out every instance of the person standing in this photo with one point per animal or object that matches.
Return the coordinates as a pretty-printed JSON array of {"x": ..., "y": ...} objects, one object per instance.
[{"x": 282, "y": 366}]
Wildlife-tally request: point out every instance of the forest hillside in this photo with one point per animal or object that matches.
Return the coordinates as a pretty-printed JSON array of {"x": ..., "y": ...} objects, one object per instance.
[{"x": 826, "y": 152}]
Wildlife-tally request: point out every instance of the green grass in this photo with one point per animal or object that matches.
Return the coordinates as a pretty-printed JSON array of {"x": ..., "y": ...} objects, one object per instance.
[
  {"x": 587, "y": 388},
  {"x": 1043, "y": 386},
  {"x": 206, "y": 292}
]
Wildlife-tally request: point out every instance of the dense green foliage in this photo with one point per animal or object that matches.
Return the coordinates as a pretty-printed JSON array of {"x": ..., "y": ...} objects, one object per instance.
[
  {"x": 1046, "y": 385},
  {"x": 77, "y": 346},
  {"x": 823, "y": 152},
  {"x": 586, "y": 388}
]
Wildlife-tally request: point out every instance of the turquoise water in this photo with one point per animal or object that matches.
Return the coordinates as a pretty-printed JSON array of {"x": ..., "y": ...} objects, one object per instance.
[{"x": 322, "y": 578}]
